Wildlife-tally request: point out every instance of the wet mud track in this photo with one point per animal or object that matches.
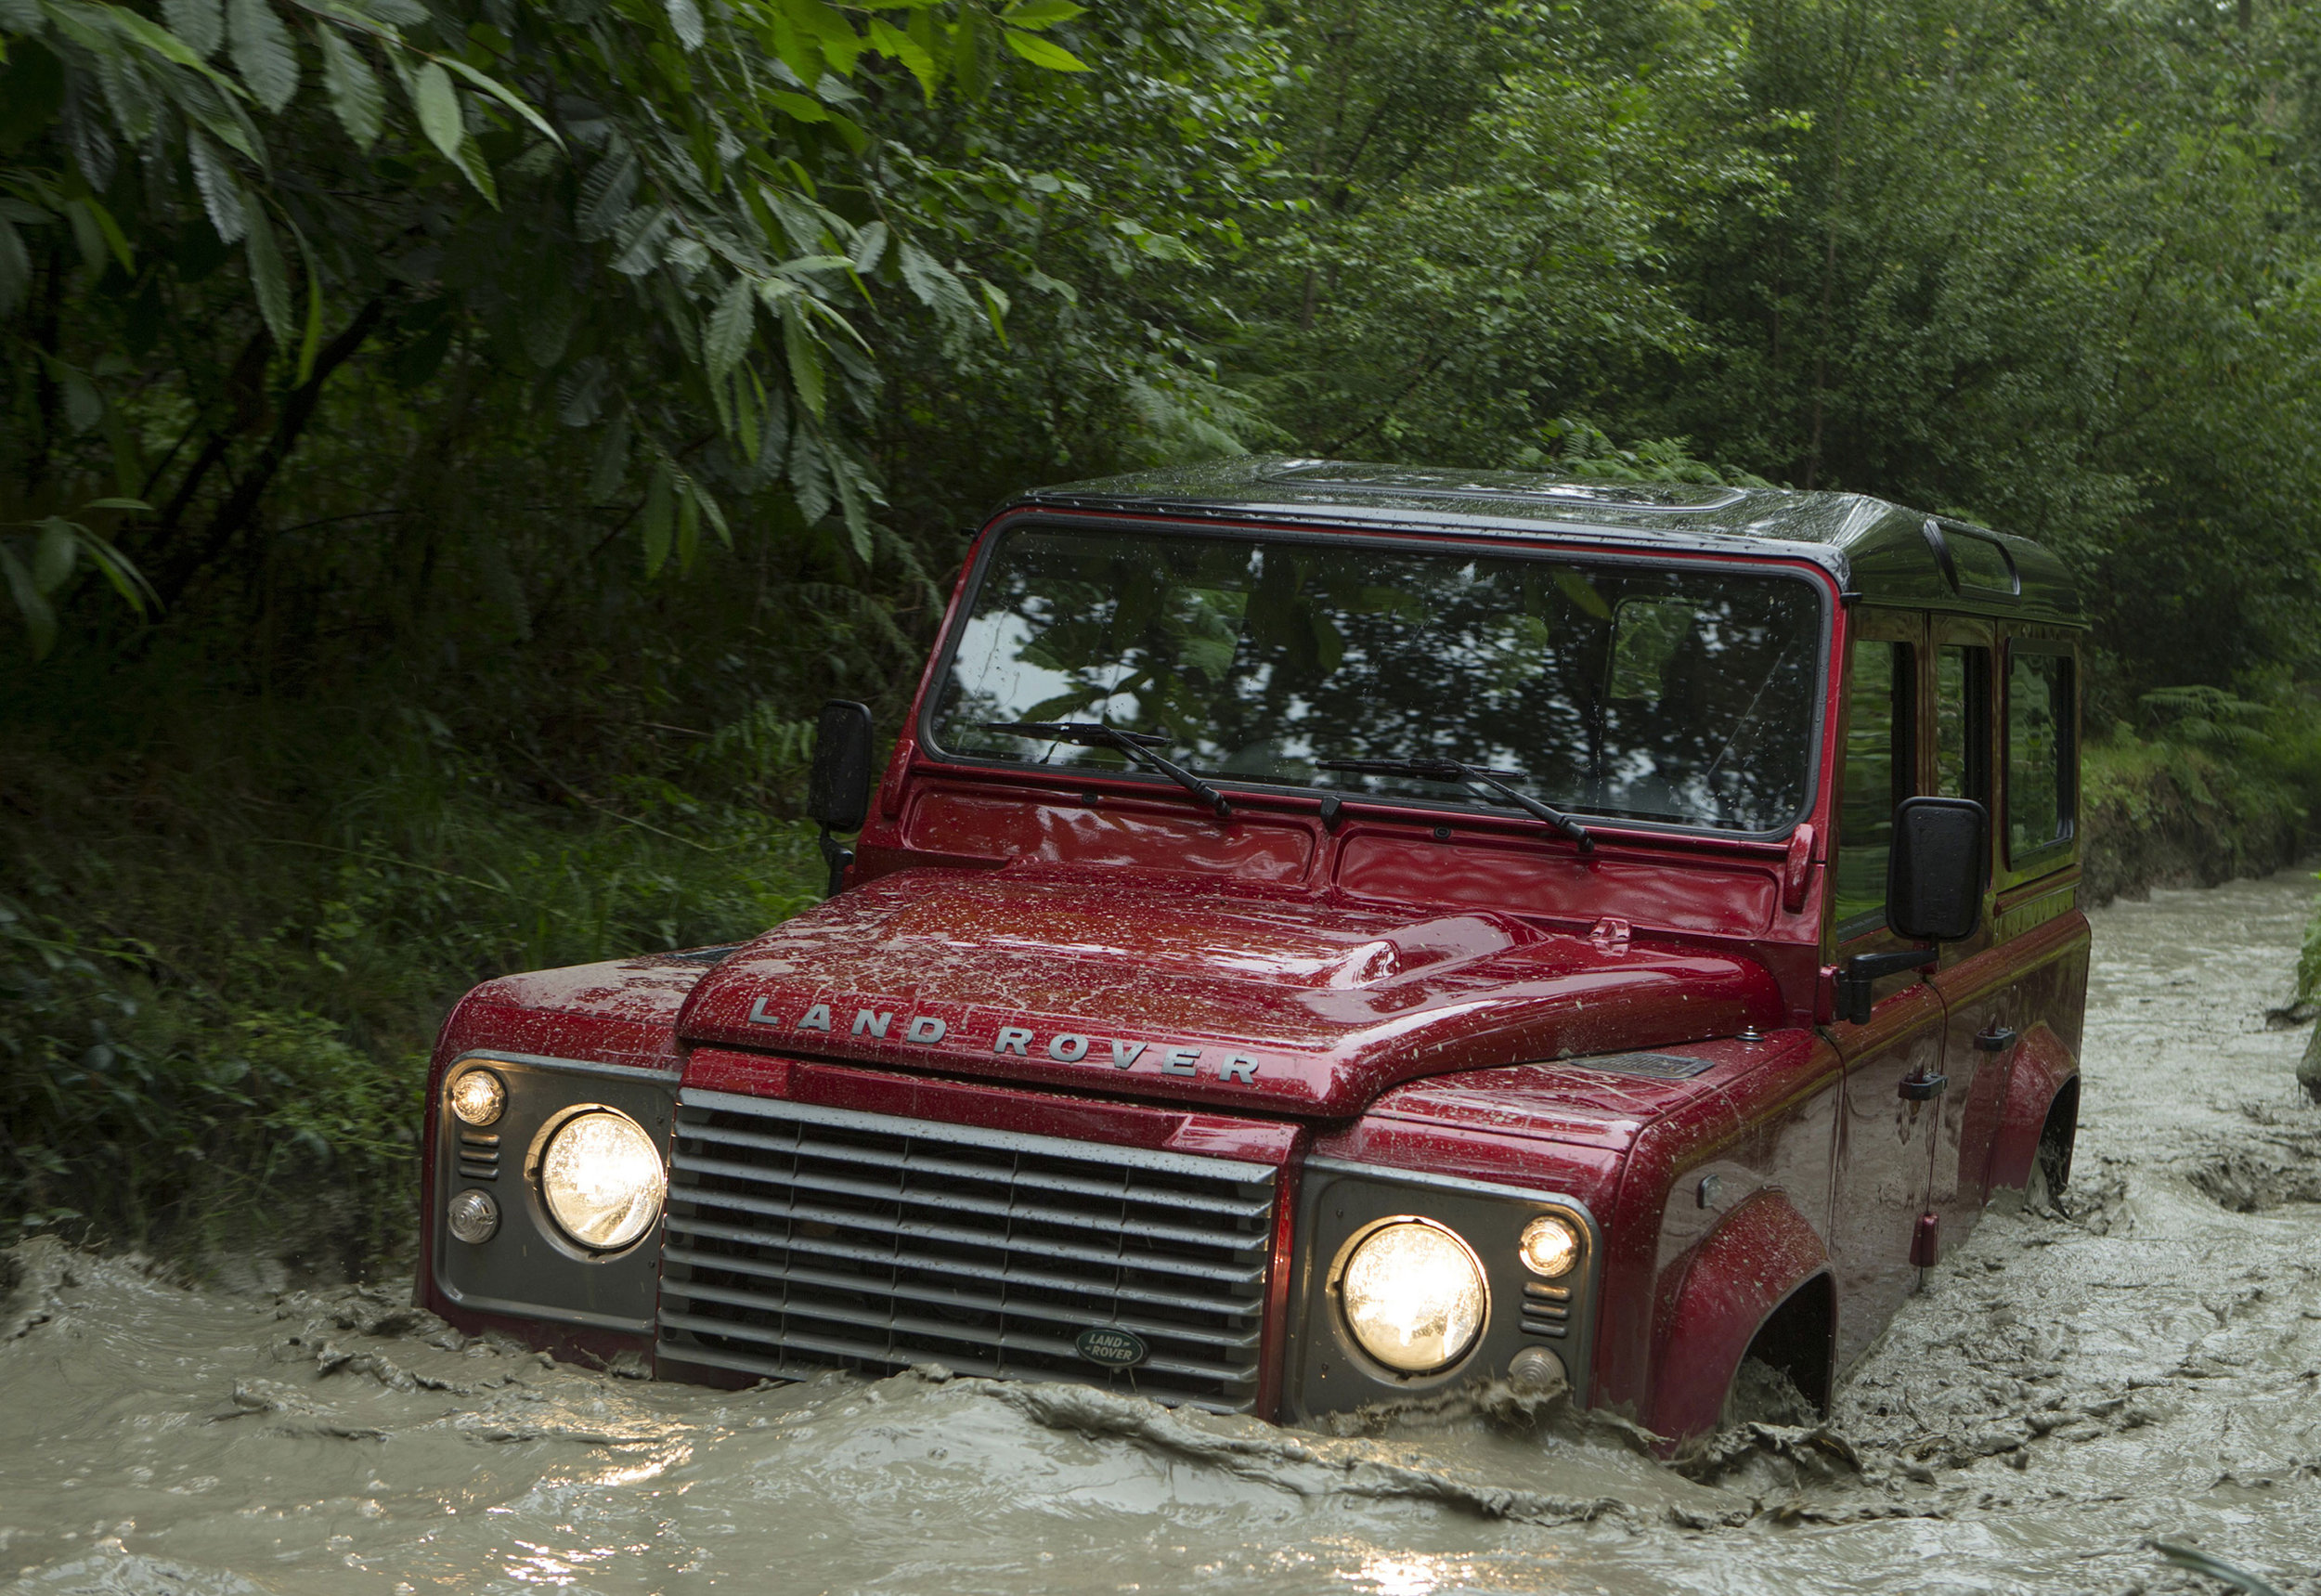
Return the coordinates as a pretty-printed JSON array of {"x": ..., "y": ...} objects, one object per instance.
[{"x": 2146, "y": 1364}]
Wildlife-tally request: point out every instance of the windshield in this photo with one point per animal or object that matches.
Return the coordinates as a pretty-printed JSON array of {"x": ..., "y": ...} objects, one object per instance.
[{"x": 1671, "y": 694}]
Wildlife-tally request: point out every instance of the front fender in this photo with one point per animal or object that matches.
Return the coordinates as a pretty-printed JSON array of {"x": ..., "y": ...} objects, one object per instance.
[
  {"x": 1714, "y": 1299},
  {"x": 2043, "y": 1068}
]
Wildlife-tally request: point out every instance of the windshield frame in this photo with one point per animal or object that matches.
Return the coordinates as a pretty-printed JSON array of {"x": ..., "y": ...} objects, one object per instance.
[{"x": 1615, "y": 551}]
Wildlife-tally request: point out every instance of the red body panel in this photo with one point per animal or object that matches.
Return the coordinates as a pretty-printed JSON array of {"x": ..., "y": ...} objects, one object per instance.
[
  {"x": 1194, "y": 987},
  {"x": 1081, "y": 954}
]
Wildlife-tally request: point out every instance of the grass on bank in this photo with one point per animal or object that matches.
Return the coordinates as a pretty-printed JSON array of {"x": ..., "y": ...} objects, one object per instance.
[{"x": 221, "y": 972}]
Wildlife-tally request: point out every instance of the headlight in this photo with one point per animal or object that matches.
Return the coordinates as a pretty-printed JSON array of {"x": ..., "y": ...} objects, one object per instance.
[
  {"x": 1413, "y": 1296},
  {"x": 478, "y": 1096},
  {"x": 1550, "y": 1246},
  {"x": 602, "y": 1179}
]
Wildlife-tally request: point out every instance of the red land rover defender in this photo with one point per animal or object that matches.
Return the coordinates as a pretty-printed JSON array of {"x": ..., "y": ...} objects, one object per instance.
[{"x": 1327, "y": 932}]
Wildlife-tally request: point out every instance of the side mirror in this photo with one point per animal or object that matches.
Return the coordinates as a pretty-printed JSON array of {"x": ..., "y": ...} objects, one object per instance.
[
  {"x": 1935, "y": 875},
  {"x": 1939, "y": 864},
  {"x": 839, "y": 786}
]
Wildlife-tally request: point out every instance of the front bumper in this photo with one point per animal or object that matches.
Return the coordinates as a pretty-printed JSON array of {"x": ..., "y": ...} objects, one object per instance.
[{"x": 805, "y": 1236}]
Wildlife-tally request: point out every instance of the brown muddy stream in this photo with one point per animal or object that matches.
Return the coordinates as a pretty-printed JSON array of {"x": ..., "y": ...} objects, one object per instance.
[{"x": 2065, "y": 1389}]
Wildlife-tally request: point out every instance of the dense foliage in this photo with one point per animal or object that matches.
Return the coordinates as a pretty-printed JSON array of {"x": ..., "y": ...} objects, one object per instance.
[{"x": 450, "y": 445}]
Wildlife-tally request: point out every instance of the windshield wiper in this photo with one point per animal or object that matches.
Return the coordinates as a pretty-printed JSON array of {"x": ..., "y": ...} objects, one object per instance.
[
  {"x": 1472, "y": 776},
  {"x": 1138, "y": 746}
]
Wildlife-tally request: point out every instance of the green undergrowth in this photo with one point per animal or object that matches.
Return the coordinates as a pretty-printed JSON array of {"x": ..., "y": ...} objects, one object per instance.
[
  {"x": 221, "y": 968},
  {"x": 2201, "y": 786}
]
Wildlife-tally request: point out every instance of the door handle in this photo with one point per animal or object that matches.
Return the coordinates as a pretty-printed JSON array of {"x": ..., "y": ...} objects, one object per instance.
[
  {"x": 1998, "y": 1039},
  {"x": 1925, "y": 1089}
]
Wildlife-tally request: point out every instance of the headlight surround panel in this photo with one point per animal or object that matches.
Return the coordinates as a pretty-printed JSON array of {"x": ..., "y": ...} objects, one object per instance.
[
  {"x": 528, "y": 1267},
  {"x": 1339, "y": 1203}
]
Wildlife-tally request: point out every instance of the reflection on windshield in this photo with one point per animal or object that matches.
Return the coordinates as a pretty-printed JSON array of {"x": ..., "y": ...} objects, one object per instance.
[{"x": 1665, "y": 694}]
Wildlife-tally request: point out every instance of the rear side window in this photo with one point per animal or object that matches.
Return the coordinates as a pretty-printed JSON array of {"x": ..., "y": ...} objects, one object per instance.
[
  {"x": 2039, "y": 798},
  {"x": 1962, "y": 723},
  {"x": 1880, "y": 755}
]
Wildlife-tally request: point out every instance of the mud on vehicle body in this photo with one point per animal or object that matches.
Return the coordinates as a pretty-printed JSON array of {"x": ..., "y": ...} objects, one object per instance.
[{"x": 1330, "y": 932}]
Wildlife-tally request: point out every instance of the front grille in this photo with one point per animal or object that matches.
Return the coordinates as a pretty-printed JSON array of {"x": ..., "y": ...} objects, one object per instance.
[{"x": 802, "y": 1238}]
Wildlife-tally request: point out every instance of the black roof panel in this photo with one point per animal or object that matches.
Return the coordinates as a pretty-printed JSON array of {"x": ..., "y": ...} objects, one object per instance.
[{"x": 1878, "y": 551}]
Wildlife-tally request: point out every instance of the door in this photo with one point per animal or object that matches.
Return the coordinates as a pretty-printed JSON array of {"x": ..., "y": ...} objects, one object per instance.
[
  {"x": 1886, "y": 1127},
  {"x": 1978, "y": 977}
]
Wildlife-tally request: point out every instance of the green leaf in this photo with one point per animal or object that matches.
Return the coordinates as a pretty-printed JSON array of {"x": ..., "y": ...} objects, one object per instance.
[
  {"x": 804, "y": 353},
  {"x": 822, "y": 23},
  {"x": 745, "y": 391},
  {"x": 605, "y": 194},
  {"x": 200, "y": 23},
  {"x": 937, "y": 287},
  {"x": 40, "y": 621},
  {"x": 869, "y": 246},
  {"x": 716, "y": 515},
  {"x": 997, "y": 305},
  {"x": 688, "y": 523},
  {"x": 115, "y": 240},
  {"x": 796, "y": 49},
  {"x": 468, "y": 159},
  {"x": 972, "y": 58},
  {"x": 126, "y": 579},
  {"x": 309, "y": 342},
  {"x": 797, "y": 107},
  {"x": 16, "y": 267},
  {"x": 654, "y": 526},
  {"x": 685, "y": 17},
  {"x": 438, "y": 104},
  {"x": 1045, "y": 53},
  {"x": 898, "y": 46},
  {"x": 1040, "y": 14},
  {"x": 731, "y": 326},
  {"x": 262, "y": 51},
  {"x": 159, "y": 40},
  {"x": 267, "y": 276},
  {"x": 137, "y": 505},
  {"x": 221, "y": 190},
  {"x": 506, "y": 97},
  {"x": 355, "y": 94},
  {"x": 53, "y": 554}
]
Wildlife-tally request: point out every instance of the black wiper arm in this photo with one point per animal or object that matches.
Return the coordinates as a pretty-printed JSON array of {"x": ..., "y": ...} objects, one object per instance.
[
  {"x": 1474, "y": 776},
  {"x": 1138, "y": 746}
]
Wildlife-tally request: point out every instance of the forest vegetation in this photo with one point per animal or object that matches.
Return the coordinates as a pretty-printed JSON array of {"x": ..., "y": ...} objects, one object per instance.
[{"x": 448, "y": 447}]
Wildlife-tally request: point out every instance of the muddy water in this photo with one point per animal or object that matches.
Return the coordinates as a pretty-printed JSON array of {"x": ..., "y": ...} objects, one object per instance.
[{"x": 2068, "y": 1385}]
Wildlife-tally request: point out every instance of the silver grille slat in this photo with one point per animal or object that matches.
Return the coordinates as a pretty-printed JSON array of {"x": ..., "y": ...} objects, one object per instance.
[
  {"x": 934, "y": 1266},
  {"x": 955, "y": 1297},
  {"x": 958, "y": 1202},
  {"x": 1108, "y": 1191},
  {"x": 802, "y": 1238}
]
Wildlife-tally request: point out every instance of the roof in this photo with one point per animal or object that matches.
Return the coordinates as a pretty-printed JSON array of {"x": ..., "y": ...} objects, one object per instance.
[{"x": 1879, "y": 552}]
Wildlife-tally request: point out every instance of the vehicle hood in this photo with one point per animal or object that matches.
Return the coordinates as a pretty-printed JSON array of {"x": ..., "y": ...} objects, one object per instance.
[{"x": 1193, "y": 990}]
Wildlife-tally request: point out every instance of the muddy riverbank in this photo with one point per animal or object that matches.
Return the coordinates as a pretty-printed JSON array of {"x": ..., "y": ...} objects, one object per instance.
[{"x": 2146, "y": 1363}]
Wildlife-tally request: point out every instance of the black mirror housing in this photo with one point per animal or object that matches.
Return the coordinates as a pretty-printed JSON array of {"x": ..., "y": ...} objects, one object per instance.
[
  {"x": 838, "y": 788},
  {"x": 1936, "y": 873}
]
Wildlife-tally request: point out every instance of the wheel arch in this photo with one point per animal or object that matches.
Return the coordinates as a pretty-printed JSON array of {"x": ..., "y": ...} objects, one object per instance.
[{"x": 1761, "y": 1258}]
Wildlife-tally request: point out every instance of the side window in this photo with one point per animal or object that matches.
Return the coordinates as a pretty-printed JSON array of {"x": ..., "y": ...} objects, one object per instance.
[
  {"x": 2038, "y": 754},
  {"x": 1881, "y": 743},
  {"x": 1962, "y": 723}
]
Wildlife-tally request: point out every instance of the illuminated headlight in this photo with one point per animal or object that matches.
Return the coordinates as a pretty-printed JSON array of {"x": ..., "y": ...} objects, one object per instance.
[
  {"x": 1413, "y": 1296},
  {"x": 1550, "y": 1246},
  {"x": 478, "y": 1097},
  {"x": 602, "y": 1179}
]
